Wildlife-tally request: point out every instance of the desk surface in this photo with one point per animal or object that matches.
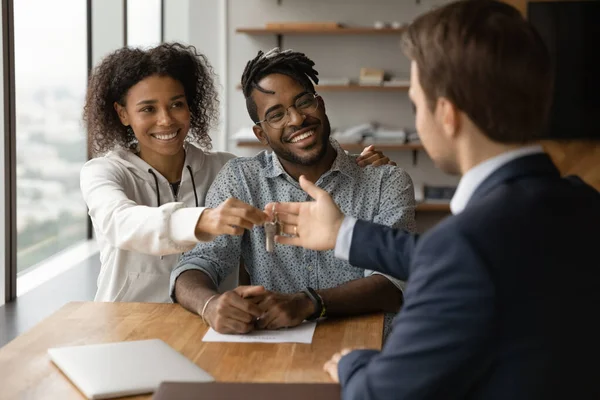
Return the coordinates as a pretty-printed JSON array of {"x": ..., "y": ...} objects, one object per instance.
[{"x": 27, "y": 372}]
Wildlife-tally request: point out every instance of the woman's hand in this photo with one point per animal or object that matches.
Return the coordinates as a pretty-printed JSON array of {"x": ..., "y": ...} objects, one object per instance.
[
  {"x": 230, "y": 218},
  {"x": 371, "y": 156}
]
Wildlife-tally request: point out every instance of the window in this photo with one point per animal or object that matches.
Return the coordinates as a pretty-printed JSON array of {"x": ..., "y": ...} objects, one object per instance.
[
  {"x": 50, "y": 42},
  {"x": 144, "y": 23}
]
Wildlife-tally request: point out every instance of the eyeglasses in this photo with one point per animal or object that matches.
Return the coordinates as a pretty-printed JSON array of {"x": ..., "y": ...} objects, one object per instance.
[{"x": 280, "y": 116}]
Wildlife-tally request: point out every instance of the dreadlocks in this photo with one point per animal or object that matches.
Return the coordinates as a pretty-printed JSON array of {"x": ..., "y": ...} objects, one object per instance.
[{"x": 288, "y": 62}]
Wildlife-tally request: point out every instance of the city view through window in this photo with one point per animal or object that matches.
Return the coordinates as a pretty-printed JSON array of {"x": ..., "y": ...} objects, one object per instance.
[{"x": 50, "y": 83}]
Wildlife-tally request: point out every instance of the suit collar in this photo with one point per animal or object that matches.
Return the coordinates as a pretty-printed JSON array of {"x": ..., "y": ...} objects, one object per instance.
[
  {"x": 531, "y": 165},
  {"x": 479, "y": 175}
]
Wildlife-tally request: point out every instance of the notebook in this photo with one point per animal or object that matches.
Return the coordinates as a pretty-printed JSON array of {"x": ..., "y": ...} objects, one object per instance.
[
  {"x": 105, "y": 371},
  {"x": 247, "y": 391}
]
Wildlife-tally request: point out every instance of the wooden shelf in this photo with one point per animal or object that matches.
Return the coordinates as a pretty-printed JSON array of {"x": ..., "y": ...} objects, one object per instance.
[
  {"x": 383, "y": 146},
  {"x": 435, "y": 207},
  {"x": 359, "y": 88},
  {"x": 351, "y": 146},
  {"x": 356, "y": 88},
  {"x": 250, "y": 144},
  {"x": 339, "y": 31}
]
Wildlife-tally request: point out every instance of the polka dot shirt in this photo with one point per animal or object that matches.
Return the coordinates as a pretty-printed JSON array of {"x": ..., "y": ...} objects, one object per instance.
[{"x": 384, "y": 195}]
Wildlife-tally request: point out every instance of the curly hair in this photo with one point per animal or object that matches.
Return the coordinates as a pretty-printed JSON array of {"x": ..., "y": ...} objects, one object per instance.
[
  {"x": 124, "y": 68},
  {"x": 288, "y": 62}
]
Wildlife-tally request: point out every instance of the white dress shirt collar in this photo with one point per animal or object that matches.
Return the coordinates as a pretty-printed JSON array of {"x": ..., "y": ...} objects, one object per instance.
[{"x": 476, "y": 175}]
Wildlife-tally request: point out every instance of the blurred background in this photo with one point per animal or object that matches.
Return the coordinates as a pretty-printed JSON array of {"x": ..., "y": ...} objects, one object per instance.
[
  {"x": 56, "y": 42},
  {"x": 50, "y": 46}
]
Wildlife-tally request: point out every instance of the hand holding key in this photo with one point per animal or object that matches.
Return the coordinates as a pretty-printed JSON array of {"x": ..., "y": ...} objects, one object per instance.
[
  {"x": 314, "y": 224},
  {"x": 231, "y": 218}
]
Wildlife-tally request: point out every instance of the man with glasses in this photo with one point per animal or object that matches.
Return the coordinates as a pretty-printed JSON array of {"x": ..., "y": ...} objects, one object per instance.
[{"x": 295, "y": 284}]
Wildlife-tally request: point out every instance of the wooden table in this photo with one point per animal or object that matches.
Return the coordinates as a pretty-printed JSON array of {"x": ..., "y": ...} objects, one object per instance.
[{"x": 27, "y": 372}]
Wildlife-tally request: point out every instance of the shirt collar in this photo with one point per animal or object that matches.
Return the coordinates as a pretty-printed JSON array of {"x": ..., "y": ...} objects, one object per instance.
[
  {"x": 476, "y": 175},
  {"x": 342, "y": 163}
]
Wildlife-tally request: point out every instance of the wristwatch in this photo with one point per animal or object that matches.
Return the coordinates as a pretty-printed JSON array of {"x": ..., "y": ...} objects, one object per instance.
[{"x": 320, "y": 309}]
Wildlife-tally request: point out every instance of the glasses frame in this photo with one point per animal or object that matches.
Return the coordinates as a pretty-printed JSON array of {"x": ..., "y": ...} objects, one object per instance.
[{"x": 287, "y": 112}]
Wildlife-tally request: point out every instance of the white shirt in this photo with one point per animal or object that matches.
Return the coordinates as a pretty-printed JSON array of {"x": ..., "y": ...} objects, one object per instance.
[
  {"x": 466, "y": 187},
  {"x": 141, "y": 226}
]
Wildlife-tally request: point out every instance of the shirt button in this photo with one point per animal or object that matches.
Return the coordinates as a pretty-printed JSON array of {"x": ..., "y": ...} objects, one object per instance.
[{"x": 310, "y": 268}]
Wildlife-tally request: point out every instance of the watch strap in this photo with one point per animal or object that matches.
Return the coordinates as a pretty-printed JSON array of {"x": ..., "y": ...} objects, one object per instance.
[{"x": 320, "y": 310}]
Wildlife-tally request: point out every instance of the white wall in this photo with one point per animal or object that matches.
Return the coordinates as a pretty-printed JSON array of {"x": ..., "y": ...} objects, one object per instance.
[
  {"x": 144, "y": 23},
  {"x": 201, "y": 23},
  {"x": 107, "y": 27},
  {"x": 207, "y": 33},
  {"x": 177, "y": 21}
]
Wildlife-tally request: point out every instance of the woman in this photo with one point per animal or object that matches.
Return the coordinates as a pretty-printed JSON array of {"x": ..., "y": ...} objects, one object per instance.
[{"x": 148, "y": 111}]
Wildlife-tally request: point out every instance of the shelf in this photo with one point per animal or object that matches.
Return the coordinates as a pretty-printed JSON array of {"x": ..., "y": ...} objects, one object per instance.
[
  {"x": 339, "y": 31},
  {"x": 351, "y": 146},
  {"x": 356, "y": 88},
  {"x": 435, "y": 207},
  {"x": 359, "y": 88},
  {"x": 382, "y": 146}
]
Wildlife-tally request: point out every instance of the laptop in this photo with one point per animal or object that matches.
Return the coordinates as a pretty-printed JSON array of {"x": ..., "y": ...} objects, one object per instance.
[{"x": 108, "y": 370}]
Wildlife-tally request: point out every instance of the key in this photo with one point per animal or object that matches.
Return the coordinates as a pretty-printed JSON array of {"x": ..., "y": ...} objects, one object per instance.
[{"x": 271, "y": 229}]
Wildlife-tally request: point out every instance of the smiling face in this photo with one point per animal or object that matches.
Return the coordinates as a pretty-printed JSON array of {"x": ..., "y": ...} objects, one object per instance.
[
  {"x": 157, "y": 111},
  {"x": 305, "y": 137}
]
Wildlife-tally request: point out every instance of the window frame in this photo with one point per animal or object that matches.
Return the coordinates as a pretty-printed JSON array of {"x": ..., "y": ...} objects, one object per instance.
[
  {"x": 10, "y": 192},
  {"x": 9, "y": 155}
]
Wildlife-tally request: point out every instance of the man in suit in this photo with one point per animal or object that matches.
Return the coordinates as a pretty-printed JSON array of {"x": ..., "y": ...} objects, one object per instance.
[{"x": 501, "y": 297}]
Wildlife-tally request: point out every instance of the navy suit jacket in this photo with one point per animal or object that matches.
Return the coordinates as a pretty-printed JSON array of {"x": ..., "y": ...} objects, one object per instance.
[{"x": 502, "y": 300}]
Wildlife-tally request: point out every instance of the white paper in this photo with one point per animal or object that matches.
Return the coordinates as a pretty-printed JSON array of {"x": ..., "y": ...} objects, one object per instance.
[{"x": 302, "y": 333}]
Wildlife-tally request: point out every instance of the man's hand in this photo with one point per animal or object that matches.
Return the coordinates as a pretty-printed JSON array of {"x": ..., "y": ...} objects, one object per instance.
[
  {"x": 231, "y": 218},
  {"x": 314, "y": 224},
  {"x": 233, "y": 311},
  {"x": 283, "y": 310},
  {"x": 374, "y": 157},
  {"x": 331, "y": 366}
]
